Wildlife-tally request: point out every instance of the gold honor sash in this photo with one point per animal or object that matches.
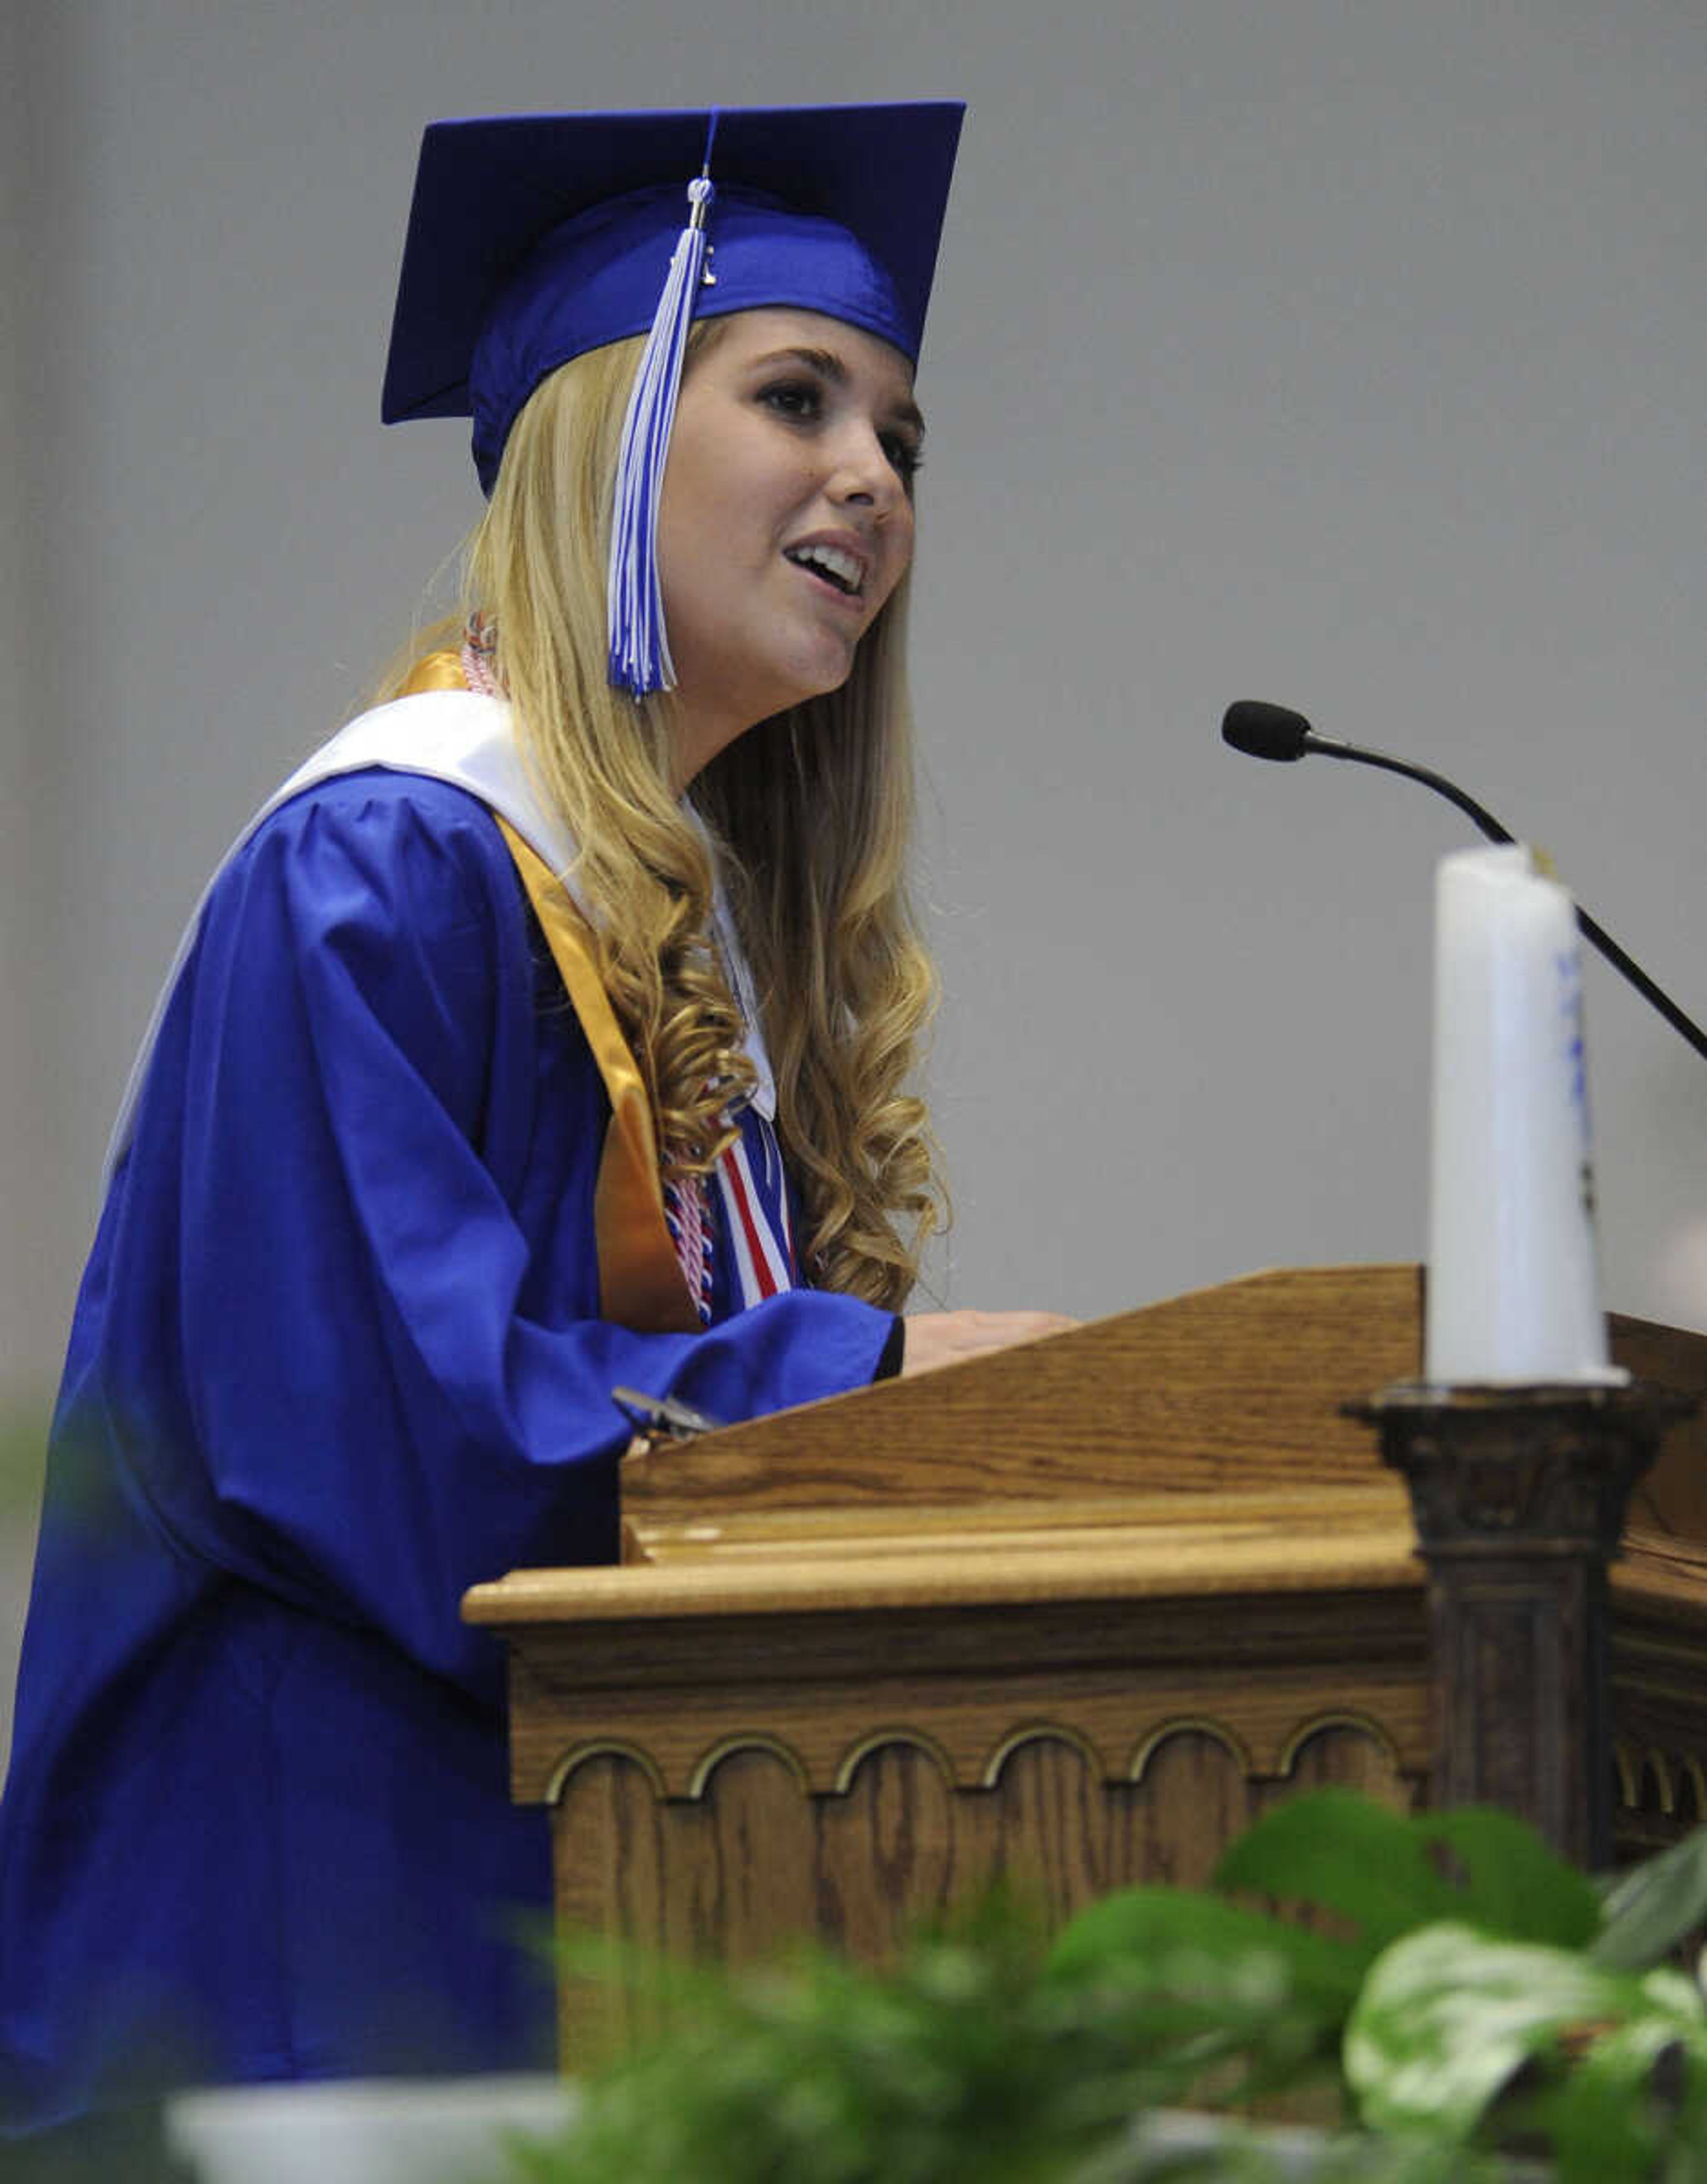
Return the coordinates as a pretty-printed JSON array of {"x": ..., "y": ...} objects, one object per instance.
[{"x": 641, "y": 1280}]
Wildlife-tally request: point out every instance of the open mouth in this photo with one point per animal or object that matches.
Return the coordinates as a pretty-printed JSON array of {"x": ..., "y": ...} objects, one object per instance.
[{"x": 844, "y": 572}]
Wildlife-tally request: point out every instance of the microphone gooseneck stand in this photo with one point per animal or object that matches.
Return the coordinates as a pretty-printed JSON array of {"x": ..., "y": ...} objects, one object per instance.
[{"x": 1275, "y": 732}]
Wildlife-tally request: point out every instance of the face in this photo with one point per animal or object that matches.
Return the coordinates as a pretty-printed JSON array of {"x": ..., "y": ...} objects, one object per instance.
[{"x": 786, "y": 519}]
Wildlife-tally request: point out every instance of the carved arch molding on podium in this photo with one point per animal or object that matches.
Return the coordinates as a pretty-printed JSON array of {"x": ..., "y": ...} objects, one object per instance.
[{"x": 751, "y": 1851}]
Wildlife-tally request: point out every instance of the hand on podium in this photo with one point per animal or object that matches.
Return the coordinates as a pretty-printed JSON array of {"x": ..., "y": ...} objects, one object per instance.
[{"x": 945, "y": 1338}]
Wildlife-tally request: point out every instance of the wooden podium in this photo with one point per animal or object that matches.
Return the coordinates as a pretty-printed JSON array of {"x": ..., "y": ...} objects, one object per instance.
[{"x": 1072, "y": 1613}]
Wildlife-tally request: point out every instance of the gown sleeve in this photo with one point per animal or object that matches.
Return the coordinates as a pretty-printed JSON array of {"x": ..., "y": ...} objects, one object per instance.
[{"x": 350, "y": 1349}]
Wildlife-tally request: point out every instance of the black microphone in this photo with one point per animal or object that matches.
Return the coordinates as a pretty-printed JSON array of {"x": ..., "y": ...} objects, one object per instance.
[
  {"x": 1265, "y": 731},
  {"x": 1275, "y": 732}
]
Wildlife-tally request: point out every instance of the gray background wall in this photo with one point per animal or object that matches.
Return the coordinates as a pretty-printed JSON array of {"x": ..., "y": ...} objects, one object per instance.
[{"x": 1348, "y": 352}]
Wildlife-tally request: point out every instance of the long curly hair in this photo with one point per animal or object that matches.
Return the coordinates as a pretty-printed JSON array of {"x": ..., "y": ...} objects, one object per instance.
[{"x": 807, "y": 818}]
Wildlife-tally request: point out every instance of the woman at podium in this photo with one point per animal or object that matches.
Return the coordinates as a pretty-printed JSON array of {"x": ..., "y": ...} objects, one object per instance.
[{"x": 549, "y": 1032}]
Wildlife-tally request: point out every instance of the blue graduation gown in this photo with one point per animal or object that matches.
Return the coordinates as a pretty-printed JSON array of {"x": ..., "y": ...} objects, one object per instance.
[{"x": 337, "y": 1356}]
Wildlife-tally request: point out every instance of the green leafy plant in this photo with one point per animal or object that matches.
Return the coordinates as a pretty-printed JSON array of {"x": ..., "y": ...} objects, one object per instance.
[{"x": 1466, "y": 1996}]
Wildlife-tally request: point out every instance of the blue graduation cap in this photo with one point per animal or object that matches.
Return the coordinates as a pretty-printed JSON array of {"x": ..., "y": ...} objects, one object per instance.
[{"x": 534, "y": 238}]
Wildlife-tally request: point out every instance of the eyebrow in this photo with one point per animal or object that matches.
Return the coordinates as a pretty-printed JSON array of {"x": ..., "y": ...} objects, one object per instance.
[{"x": 830, "y": 366}]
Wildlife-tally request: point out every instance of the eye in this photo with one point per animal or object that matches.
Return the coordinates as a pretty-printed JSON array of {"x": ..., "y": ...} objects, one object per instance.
[
  {"x": 904, "y": 456},
  {"x": 799, "y": 400}
]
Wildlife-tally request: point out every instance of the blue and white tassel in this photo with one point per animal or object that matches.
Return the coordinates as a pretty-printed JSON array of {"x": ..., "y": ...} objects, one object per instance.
[{"x": 634, "y": 603}]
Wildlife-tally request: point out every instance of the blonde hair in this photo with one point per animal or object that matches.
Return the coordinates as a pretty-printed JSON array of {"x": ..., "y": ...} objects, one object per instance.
[{"x": 808, "y": 815}]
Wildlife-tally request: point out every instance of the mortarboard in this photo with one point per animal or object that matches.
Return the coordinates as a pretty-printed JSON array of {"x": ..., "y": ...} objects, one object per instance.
[{"x": 534, "y": 238}]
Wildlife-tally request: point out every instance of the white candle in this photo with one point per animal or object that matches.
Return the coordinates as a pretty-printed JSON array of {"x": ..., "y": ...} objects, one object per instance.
[{"x": 1512, "y": 1291}]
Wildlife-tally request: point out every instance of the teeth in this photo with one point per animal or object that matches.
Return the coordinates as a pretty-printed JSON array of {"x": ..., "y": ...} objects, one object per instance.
[{"x": 843, "y": 570}]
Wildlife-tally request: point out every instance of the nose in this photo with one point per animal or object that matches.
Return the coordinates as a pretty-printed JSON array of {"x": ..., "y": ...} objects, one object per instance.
[{"x": 863, "y": 475}]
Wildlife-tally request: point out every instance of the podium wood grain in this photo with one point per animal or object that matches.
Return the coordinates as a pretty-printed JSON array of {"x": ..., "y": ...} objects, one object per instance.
[{"x": 1069, "y": 1616}]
